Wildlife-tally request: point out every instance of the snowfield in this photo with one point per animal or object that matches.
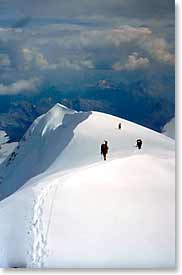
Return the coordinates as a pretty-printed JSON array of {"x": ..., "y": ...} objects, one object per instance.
[{"x": 63, "y": 206}]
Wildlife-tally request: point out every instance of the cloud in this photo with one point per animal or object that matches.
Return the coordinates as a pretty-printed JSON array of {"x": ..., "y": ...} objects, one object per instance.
[
  {"x": 74, "y": 64},
  {"x": 128, "y": 34},
  {"x": 62, "y": 45},
  {"x": 114, "y": 36},
  {"x": 63, "y": 8},
  {"x": 58, "y": 41},
  {"x": 122, "y": 37},
  {"x": 33, "y": 58},
  {"x": 4, "y": 60},
  {"x": 157, "y": 47},
  {"x": 134, "y": 62},
  {"x": 20, "y": 86},
  {"x": 86, "y": 63}
]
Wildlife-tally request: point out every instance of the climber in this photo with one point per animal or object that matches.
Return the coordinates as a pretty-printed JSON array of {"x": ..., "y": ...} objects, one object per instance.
[
  {"x": 139, "y": 143},
  {"x": 104, "y": 149}
]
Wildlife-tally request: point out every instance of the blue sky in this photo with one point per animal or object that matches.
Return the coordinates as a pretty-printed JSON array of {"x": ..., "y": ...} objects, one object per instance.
[{"x": 79, "y": 43}]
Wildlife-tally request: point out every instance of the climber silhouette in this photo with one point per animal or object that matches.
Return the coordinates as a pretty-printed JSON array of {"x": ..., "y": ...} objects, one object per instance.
[
  {"x": 104, "y": 149},
  {"x": 139, "y": 143}
]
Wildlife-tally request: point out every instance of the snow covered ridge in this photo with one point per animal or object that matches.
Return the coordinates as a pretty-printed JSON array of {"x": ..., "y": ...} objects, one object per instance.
[{"x": 69, "y": 208}]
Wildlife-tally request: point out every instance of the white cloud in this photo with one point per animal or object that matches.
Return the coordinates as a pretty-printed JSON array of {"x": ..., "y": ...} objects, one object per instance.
[
  {"x": 115, "y": 36},
  {"x": 33, "y": 58},
  {"x": 69, "y": 64},
  {"x": 125, "y": 34},
  {"x": 75, "y": 64},
  {"x": 86, "y": 63},
  {"x": 157, "y": 47},
  {"x": 47, "y": 49},
  {"x": 134, "y": 62},
  {"x": 59, "y": 46},
  {"x": 20, "y": 86},
  {"x": 124, "y": 37}
]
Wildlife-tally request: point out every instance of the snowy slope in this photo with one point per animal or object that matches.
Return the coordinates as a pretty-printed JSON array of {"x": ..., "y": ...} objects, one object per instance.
[
  {"x": 64, "y": 139},
  {"x": 169, "y": 129},
  {"x": 76, "y": 210}
]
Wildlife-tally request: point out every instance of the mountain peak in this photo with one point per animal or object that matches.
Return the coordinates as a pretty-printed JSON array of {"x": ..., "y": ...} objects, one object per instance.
[
  {"x": 59, "y": 106},
  {"x": 64, "y": 139}
]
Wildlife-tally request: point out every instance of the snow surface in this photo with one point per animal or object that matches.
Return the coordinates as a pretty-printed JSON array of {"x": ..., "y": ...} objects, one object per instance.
[
  {"x": 169, "y": 129},
  {"x": 66, "y": 207}
]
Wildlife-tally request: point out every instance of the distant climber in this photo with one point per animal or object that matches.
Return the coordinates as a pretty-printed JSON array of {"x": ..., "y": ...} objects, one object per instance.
[
  {"x": 119, "y": 126},
  {"x": 104, "y": 149},
  {"x": 139, "y": 143}
]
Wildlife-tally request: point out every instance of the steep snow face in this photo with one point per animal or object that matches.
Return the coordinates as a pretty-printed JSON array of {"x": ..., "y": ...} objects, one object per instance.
[
  {"x": 63, "y": 139},
  {"x": 169, "y": 129},
  {"x": 39, "y": 148},
  {"x": 5, "y": 148},
  {"x": 75, "y": 210},
  {"x": 3, "y": 137}
]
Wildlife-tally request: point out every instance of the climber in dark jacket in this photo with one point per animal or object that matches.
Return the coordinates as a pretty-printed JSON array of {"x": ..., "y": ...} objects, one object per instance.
[
  {"x": 139, "y": 143},
  {"x": 104, "y": 149}
]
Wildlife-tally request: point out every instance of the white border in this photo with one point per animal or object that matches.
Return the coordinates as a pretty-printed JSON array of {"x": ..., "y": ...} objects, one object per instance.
[{"x": 178, "y": 174}]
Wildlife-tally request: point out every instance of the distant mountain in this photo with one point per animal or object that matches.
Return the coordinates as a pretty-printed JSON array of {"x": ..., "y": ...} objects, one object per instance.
[
  {"x": 19, "y": 117},
  {"x": 133, "y": 101}
]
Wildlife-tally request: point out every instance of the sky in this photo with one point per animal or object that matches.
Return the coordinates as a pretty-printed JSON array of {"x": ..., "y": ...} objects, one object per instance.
[{"x": 78, "y": 43}]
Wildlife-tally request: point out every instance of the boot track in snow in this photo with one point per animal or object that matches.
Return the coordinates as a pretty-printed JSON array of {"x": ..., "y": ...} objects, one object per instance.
[{"x": 39, "y": 229}]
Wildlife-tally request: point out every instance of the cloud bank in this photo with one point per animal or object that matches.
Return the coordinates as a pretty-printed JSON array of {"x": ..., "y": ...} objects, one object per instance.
[
  {"x": 21, "y": 86},
  {"x": 60, "y": 42},
  {"x": 134, "y": 62}
]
